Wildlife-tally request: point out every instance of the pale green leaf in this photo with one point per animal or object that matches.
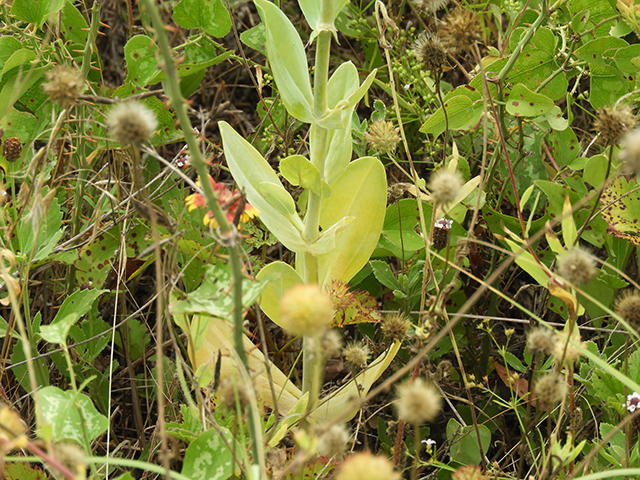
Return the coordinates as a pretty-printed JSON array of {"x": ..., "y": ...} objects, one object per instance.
[
  {"x": 299, "y": 171},
  {"x": 281, "y": 277},
  {"x": 208, "y": 15},
  {"x": 522, "y": 102},
  {"x": 209, "y": 455}
]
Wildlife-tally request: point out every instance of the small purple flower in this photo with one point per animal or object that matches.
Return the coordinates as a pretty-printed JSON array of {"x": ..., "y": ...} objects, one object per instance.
[{"x": 633, "y": 402}]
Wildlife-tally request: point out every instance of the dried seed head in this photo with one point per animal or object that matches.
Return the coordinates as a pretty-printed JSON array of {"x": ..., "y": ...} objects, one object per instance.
[
  {"x": 576, "y": 266},
  {"x": 382, "y": 136},
  {"x": 628, "y": 307},
  {"x": 418, "y": 402},
  {"x": 305, "y": 310},
  {"x": 460, "y": 29},
  {"x": 366, "y": 466},
  {"x": 468, "y": 472},
  {"x": 12, "y": 149},
  {"x": 630, "y": 155},
  {"x": 551, "y": 388},
  {"x": 334, "y": 440},
  {"x": 131, "y": 123},
  {"x": 445, "y": 186},
  {"x": 613, "y": 124},
  {"x": 431, "y": 5},
  {"x": 232, "y": 388},
  {"x": 570, "y": 352},
  {"x": 71, "y": 456},
  {"x": 64, "y": 86},
  {"x": 395, "y": 326},
  {"x": 541, "y": 340},
  {"x": 331, "y": 344},
  {"x": 431, "y": 51},
  {"x": 357, "y": 354}
]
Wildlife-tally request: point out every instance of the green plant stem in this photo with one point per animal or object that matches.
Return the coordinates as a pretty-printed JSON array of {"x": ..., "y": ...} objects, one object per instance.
[{"x": 228, "y": 232}]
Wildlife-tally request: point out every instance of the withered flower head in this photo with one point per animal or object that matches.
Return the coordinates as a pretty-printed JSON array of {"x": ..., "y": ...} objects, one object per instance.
[
  {"x": 431, "y": 51},
  {"x": 613, "y": 124},
  {"x": 131, "y": 123},
  {"x": 628, "y": 307},
  {"x": 64, "y": 86},
  {"x": 460, "y": 29}
]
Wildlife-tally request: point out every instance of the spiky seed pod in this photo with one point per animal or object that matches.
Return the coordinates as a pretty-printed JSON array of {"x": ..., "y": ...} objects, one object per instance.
[
  {"x": 12, "y": 149},
  {"x": 430, "y": 51},
  {"x": 395, "y": 326},
  {"x": 334, "y": 440},
  {"x": 541, "y": 340},
  {"x": 229, "y": 386},
  {"x": 131, "y": 123},
  {"x": 305, "y": 310},
  {"x": 460, "y": 29},
  {"x": 551, "y": 388},
  {"x": 418, "y": 402},
  {"x": 613, "y": 124},
  {"x": 628, "y": 307},
  {"x": 576, "y": 266},
  {"x": 444, "y": 186},
  {"x": 64, "y": 86},
  {"x": 630, "y": 155},
  {"x": 382, "y": 136},
  {"x": 356, "y": 354},
  {"x": 367, "y": 466},
  {"x": 331, "y": 344},
  {"x": 441, "y": 230},
  {"x": 431, "y": 5}
]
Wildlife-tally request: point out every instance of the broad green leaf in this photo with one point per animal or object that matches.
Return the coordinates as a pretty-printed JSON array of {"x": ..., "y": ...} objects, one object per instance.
[
  {"x": 462, "y": 114},
  {"x": 208, "y": 15},
  {"x": 63, "y": 409},
  {"x": 278, "y": 198},
  {"x": 555, "y": 119},
  {"x": 23, "y": 471},
  {"x": 24, "y": 126},
  {"x": 288, "y": 61},
  {"x": 8, "y": 45},
  {"x": 594, "y": 170},
  {"x": 299, "y": 171},
  {"x": 73, "y": 25},
  {"x": 360, "y": 192},
  {"x": 607, "y": 86},
  {"x": 592, "y": 52},
  {"x": 255, "y": 38},
  {"x": 20, "y": 57},
  {"x": 341, "y": 400},
  {"x": 42, "y": 240},
  {"x": 250, "y": 170},
  {"x": 142, "y": 64},
  {"x": 464, "y": 442},
  {"x": 522, "y": 102},
  {"x": 74, "y": 306},
  {"x": 13, "y": 89},
  {"x": 399, "y": 222},
  {"x": 627, "y": 58},
  {"x": 325, "y": 244},
  {"x": 209, "y": 456},
  {"x": 35, "y": 11},
  {"x": 56, "y": 332},
  {"x": 281, "y": 277},
  {"x": 525, "y": 261},
  {"x": 212, "y": 297},
  {"x": 382, "y": 272},
  {"x": 565, "y": 146}
]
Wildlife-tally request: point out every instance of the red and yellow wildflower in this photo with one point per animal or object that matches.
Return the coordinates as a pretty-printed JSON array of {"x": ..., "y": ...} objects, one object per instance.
[{"x": 230, "y": 202}]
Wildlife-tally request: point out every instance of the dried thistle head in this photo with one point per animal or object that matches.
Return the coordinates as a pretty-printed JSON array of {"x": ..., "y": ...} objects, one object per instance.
[
  {"x": 418, "y": 402},
  {"x": 131, "y": 123},
  {"x": 65, "y": 85},
  {"x": 460, "y": 29},
  {"x": 577, "y": 266},
  {"x": 334, "y": 440},
  {"x": 233, "y": 389},
  {"x": 367, "y": 466},
  {"x": 395, "y": 326},
  {"x": 613, "y": 124},
  {"x": 566, "y": 350},
  {"x": 431, "y": 51},
  {"x": 541, "y": 339},
  {"x": 356, "y": 354},
  {"x": 628, "y": 307},
  {"x": 630, "y": 154},
  {"x": 330, "y": 343},
  {"x": 382, "y": 136},
  {"x": 551, "y": 388},
  {"x": 445, "y": 186}
]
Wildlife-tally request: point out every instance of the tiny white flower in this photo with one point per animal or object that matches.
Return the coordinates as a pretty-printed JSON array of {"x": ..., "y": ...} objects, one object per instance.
[{"x": 633, "y": 402}]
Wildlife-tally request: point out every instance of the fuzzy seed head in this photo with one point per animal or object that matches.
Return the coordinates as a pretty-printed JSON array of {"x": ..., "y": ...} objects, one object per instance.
[
  {"x": 382, "y": 136},
  {"x": 630, "y": 155},
  {"x": 356, "y": 354},
  {"x": 331, "y": 344},
  {"x": 613, "y": 124},
  {"x": 334, "y": 440},
  {"x": 577, "y": 266},
  {"x": 367, "y": 466},
  {"x": 418, "y": 402},
  {"x": 71, "y": 456},
  {"x": 628, "y": 307},
  {"x": 541, "y": 340},
  {"x": 131, "y": 123},
  {"x": 460, "y": 29},
  {"x": 570, "y": 352},
  {"x": 445, "y": 186},
  {"x": 431, "y": 51},
  {"x": 551, "y": 388},
  {"x": 232, "y": 388},
  {"x": 64, "y": 85},
  {"x": 431, "y": 5},
  {"x": 395, "y": 326},
  {"x": 305, "y": 310}
]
